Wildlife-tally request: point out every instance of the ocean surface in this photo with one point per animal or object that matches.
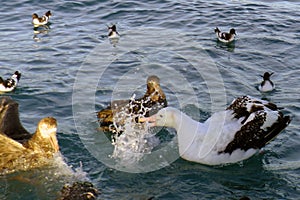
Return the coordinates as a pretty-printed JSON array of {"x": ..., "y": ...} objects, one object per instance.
[{"x": 70, "y": 70}]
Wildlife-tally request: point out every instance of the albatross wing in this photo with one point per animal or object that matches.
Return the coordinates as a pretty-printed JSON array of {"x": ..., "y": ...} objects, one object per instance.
[
  {"x": 9, "y": 151},
  {"x": 262, "y": 121}
]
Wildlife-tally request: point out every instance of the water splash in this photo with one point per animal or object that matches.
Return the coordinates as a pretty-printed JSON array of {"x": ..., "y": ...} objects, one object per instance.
[
  {"x": 43, "y": 182},
  {"x": 70, "y": 174},
  {"x": 135, "y": 140}
]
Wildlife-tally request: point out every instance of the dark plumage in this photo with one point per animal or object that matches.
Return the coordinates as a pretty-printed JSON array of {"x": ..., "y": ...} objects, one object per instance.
[
  {"x": 153, "y": 100},
  {"x": 78, "y": 191},
  {"x": 112, "y": 31},
  {"x": 266, "y": 85},
  {"x": 251, "y": 135},
  {"x": 225, "y": 37},
  {"x": 11, "y": 83},
  {"x": 38, "y": 21},
  {"x": 10, "y": 124}
]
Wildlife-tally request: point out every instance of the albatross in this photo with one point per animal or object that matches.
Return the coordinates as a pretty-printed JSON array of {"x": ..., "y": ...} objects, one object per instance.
[{"x": 229, "y": 136}]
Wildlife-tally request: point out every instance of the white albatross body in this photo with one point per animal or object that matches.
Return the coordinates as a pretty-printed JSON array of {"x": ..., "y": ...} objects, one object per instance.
[{"x": 228, "y": 136}]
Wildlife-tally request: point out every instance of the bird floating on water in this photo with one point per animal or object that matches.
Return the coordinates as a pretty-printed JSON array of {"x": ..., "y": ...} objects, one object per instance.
[
  {"x": 153, "y": 100},
  {"x": 112, "y": 32},
  {"x": 39, "y": 21},
  {"x": 20, "y": 150},
  {"x": 266, "y": 85},
  {"x": 225, "y": 37},
  {"x": 229, "y": 136},
  {"x": 11, "y": 83}
]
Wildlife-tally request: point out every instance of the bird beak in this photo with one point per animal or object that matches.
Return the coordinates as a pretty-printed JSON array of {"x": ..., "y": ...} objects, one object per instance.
[
  {"x": 150, "y": 120},
  {"x": 54, "y": 142},
  {"x": 271, "y": 73}
]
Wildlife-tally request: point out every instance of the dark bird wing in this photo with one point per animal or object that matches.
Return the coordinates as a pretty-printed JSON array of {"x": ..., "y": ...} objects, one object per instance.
[
  {"x": 106, "y": 115},
  {"x": 10, "y": 150},
  {"x": 262, "y": 122},
  {"x": 245, "y": 105},
  {"x": 225, "y": 36},
  {"x": 10, "y": 124}
]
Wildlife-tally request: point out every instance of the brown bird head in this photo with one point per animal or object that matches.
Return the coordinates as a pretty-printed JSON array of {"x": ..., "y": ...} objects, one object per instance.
[
  {"x": 153, "y": 89},
  {"x": 48, "y": 13},
  {"x": 44, "y": 139},
  {"x": 35, "y": 16}
]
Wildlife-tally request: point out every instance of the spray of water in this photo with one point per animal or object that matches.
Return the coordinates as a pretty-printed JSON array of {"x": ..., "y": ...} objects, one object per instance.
[{"x": 135, "y": 139}]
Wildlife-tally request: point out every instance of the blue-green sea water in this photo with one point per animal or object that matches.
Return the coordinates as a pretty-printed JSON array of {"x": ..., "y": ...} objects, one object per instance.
[{"x": 71, "y": 70}]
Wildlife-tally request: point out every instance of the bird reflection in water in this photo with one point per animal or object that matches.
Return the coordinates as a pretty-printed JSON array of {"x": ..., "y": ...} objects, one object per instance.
[{"x": 38, "y": 31}]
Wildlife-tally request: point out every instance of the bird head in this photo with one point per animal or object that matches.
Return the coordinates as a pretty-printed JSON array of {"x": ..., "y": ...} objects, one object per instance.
[
  {"x": 232, "y": 31},
  {"x": 46, "y": 132}
]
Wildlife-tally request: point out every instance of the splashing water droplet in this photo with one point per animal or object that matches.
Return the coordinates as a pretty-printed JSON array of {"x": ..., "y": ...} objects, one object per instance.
[{"x": 135, "y": 139}]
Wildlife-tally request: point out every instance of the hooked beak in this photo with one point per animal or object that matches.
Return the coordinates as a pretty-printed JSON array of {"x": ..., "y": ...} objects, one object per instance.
[
  {"x": 150, "y": 120},
  {"x": 54, "y": 142}
]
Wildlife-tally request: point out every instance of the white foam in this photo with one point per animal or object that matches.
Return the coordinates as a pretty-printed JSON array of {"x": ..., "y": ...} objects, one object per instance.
[
  {"x": 135, "y": 140},
  {"x": 62, "y": 169}
]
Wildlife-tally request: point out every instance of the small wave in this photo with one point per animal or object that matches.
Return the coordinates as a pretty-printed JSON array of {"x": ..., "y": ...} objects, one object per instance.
[{"x": 287, "y": 165}]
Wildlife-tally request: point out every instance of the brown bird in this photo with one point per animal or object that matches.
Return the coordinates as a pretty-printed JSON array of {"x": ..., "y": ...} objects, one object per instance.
[
  {"x": 118, "y": 111},
  {"x": 30, "y": 152},
  {"x": 10, "y": 124}
]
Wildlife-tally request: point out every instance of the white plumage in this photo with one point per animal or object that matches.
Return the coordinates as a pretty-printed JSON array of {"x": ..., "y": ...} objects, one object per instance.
[
  {"x": 112, "y": 32},
  {"x": 229, "y": 136},
  {"x": 225, "y": 37},
  {"x": 39, "y": 21},
  {"x": 11, "y": 83},
  {"x": 266, "y": 85}
]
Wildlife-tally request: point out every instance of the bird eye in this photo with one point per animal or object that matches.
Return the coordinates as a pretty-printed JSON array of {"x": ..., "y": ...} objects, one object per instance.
[{"x": 161, "y": 116}]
